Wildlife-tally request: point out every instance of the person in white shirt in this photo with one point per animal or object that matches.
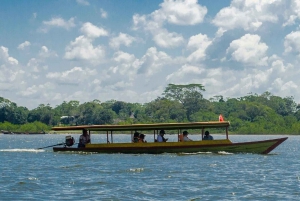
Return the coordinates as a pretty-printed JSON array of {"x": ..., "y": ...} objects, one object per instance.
[
  {"x": 185, "y": 136},
  {"x": 84, "y": 139},
  {"x": 160, "y": 137}
]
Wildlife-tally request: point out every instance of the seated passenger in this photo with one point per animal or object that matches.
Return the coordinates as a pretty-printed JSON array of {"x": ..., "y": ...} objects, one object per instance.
[
  {"x": 185, "y": 136},
  {"x": 84, "y": 139},
  {"x": 207, "y": 136},
  {"x": 160, "y": 137},
  {"x": 136, "y": 137},
  {"x": 142, "y": 138}
]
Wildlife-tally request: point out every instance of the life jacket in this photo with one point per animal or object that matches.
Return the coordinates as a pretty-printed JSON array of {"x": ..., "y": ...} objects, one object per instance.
[{"x": 221, "y": 118}]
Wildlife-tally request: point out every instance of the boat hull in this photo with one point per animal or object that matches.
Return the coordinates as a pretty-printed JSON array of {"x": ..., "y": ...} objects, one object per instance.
[{"x": 214, "y": 146}]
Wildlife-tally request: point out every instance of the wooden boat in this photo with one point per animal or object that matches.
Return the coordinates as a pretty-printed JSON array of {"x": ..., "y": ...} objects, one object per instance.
[{"x": 214, "y": 146}]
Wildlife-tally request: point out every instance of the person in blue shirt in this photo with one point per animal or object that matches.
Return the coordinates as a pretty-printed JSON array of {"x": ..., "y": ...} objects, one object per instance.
[{"x": 207, "y": 136}]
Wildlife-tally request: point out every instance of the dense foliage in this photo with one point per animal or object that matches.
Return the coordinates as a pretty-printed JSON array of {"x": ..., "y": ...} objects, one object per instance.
[{"x": 251, "y": 114}]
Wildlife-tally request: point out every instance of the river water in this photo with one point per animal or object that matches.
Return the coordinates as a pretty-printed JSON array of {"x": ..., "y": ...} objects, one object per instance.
[{"x": 31, "y": 174}]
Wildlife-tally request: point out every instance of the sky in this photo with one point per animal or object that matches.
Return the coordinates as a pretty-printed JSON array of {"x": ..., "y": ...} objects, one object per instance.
[{"x": 61, "y": 50}]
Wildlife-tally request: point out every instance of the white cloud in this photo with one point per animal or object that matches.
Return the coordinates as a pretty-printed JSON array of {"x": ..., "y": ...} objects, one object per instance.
[
  {"x": 75, "y": 75},
  {"x": 4, "y": 56},
  {"x": 174, "y": 12},
  {"x": 292, "y": 42},
  {"x": 292, "y": 12},
  {"x": 199, "y": 43},
  {"x": 23, "y": 45},
  {"x": 153, "y": 61},
  {"x": 121, "y": 39},
  {"x": 248, "y": 50},
  {"x": 83, "y": 2},
  {"x": 182, "y": 12},
  {"x": 247, "y": 14},
  {"x": 83, "y": 49},
  {"x": 125, "y": 64},
  {"x": 33, "y": 65},
  {"x": 184, "y": 72},
  {"x": 57, "y": 22},
  {"x": 45, "y": 52},
  {"x": 92, "y": 31},
  {"x": 168, "y": 40},
  {"x": 103, "y": 13}
]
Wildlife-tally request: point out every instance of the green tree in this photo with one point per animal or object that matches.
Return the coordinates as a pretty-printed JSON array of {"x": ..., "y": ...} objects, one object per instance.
[{"x": 189, "y": 95}]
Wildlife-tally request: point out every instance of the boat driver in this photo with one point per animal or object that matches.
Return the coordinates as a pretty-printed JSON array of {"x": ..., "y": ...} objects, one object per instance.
[{"x": 84, "y": 139}]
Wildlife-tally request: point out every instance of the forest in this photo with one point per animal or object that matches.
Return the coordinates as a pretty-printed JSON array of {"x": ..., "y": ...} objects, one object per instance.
[{"x": 251, "y": 114}]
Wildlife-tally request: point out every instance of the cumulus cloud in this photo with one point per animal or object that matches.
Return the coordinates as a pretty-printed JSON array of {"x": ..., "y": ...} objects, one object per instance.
[
  {"x": 57, "y": 22},
  {"x": 178, "y": 12},
  {"x": 153, "y": 61},
  {"x": 184, "y": 72},
  {"x": 45, "y": 52},
  {"x": 10, "y": 72},
  {"x": 92, "y": 31},
  {"x": 198, "y": 44},
  {"x": 248, "y": 15},
  {"x": 292, "y": 42},
  {"x": 125, "y": 64},
  {"x": 182, "y": 12},
  {"x": 166, "y": 39},
  {"x": 83, "y": 49},
  {"x": 121, "y": 39},
  {"x": 292, "y": 12},
  {"x": 4, "y": 57},
  {"x": 23, "y": 45},
  {"x": 75, "y": 75},
  {"x": 248, "y": 50}
]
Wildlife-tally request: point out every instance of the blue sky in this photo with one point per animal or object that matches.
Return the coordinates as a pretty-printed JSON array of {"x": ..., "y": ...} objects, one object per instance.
[{"x": 54, "y": 51}]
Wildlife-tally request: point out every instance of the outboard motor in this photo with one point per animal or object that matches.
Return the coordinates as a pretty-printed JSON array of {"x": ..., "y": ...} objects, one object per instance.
[{"x": 70, "y": 141}]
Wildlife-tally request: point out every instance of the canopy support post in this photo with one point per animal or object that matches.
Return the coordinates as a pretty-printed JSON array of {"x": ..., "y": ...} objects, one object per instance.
[
  {"x": 227, "y": 132},
  {"x": 107, "y": 141},
  {"x": 111, "y": 136}
]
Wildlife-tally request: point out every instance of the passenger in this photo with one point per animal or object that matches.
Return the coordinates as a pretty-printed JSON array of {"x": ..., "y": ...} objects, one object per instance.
[
  {"x": 185, "y": 136},
  {"x": 136, "y": 137},
  {"x": 207, "y": 136},
  {"x": 84, "y": 139},
  {"x": 160, "y": 137},
  {"x": 142, "y": 138}
]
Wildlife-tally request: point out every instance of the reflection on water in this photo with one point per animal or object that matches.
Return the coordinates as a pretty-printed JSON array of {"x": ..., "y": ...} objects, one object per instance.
[{"x": 28, "y": 173}]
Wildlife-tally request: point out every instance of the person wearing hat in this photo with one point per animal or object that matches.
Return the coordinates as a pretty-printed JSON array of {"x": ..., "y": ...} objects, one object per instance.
[
  {"x": 207, "y": 136},
  {"x": 160, "y": 137},
  {"x": 185, "y": 136}
]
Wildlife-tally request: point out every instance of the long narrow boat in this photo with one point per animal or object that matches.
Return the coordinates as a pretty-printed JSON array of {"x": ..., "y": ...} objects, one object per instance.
[{"x": 214, "y": 146}]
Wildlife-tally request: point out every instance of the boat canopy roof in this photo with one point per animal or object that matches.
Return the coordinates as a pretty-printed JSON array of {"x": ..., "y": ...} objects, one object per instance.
[{"x": 158, "y": 126}]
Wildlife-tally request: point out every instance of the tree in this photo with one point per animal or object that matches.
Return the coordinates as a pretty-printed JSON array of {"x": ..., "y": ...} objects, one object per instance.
[
  {"x": 103, "y": 116},
  {"x": 189, "y": 95},
  {"x": 182, "y": 93}
]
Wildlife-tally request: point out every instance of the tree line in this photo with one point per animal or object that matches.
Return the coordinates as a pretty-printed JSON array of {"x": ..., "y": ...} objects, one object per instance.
[{"x": 251, "y": 114}]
